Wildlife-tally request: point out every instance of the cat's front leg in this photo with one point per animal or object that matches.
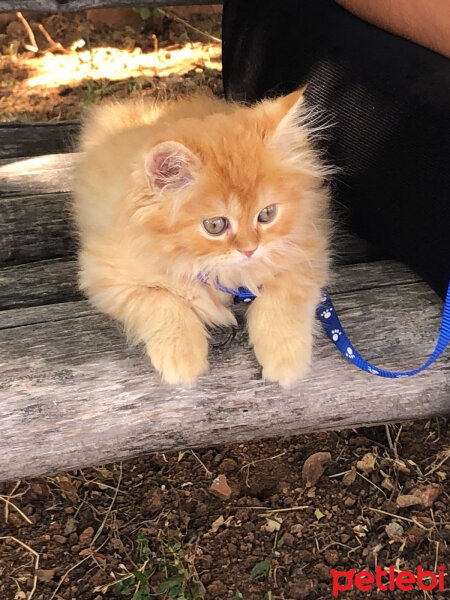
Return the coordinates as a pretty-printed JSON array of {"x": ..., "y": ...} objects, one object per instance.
[
  {"x": 175, "y": 337},
  {"x": 280, "y": 324}
]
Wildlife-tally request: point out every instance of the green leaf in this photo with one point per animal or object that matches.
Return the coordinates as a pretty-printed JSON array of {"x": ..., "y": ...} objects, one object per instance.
[
  {"x": 143, "y": 546},
  {"x": 173, "y": 545},
  {"x": 140, "y": 576},
  {"x": 143, "y": 12},
  {"x": 169, "y": 584},
  {"x": 143, "y": 593},
  {"x": 193, "y": 591},
  {"x": 124, "y": 587},
  {"x": 261, "y": 569}
]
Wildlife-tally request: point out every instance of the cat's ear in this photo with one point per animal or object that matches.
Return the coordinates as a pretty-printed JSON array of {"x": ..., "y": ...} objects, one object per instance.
[
  {"x": 286, "y": 114},
  {"x": 170, "y": 164}
]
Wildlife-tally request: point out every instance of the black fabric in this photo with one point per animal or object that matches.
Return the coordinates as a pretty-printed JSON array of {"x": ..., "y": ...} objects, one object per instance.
[{"x": 388, "y": 100}]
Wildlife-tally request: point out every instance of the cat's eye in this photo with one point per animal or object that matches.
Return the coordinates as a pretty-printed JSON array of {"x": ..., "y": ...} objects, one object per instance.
[
  {"x": 268, "y": 214},
  {"x": 215, "y": 226}
]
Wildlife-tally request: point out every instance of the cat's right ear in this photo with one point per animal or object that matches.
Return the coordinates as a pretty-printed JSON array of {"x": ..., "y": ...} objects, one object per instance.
[{"x": 170, "y": 164}]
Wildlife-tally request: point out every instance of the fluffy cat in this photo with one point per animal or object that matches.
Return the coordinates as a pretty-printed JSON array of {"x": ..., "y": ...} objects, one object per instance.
[{"x": 166, "y": 192}]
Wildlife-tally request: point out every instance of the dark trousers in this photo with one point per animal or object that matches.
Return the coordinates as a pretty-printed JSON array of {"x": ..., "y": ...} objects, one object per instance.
[{"x": 389, "y": 102}]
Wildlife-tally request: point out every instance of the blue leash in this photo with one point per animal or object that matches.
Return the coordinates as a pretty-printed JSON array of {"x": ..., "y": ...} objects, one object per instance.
[{"x": 327, "y": 315}]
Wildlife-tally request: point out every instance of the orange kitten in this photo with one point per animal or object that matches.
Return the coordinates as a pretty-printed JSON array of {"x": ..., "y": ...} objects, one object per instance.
[{"x": 167, "y": 192}]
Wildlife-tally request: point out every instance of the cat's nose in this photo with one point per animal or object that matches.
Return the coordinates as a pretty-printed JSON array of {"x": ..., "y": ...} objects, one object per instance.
[{"x": 248, "y": 253}]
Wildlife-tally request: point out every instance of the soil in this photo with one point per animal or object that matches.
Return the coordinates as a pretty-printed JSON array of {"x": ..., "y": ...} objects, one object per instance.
[
  {"x": 168, "y": 52},
  {"x": 381, "y": 499},
  {"x": 275, "y": 524}
]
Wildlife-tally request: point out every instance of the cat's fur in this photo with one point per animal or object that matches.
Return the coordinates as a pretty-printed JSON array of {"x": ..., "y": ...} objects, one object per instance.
[{"x": 150, "y": 174}]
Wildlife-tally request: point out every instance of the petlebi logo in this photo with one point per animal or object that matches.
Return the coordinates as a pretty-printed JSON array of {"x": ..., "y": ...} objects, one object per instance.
[{"x": 388, "y": 580}]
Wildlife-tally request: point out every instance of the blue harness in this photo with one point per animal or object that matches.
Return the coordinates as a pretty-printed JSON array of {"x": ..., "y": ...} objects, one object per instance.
[{"x": 327, "y": 315}]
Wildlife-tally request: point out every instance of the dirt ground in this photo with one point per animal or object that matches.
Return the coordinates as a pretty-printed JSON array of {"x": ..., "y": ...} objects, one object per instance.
[
  {"x": 158, "y": 51},
  {"x": 288, "y": 510},
  {"x": 151, "y": 527}
]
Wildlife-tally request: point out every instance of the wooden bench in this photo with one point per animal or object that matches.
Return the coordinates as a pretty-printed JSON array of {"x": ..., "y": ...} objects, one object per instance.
[{"x": 72, "y": 393}]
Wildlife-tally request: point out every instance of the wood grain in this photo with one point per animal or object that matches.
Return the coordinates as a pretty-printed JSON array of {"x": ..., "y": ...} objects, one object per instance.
[
  {"x": 35, "y": 223},
  {"x": 79, "y": 395},
  {"x": 35, "y": 228},
  {"x": 53, "y": 281},
  {"x": 22, "y": 176},
  {"x": 72, "y": 5},
  {"x": 22, "y": 139},
  {"x": 73, "y": 393},
  {"x": 38, "y": 283}
]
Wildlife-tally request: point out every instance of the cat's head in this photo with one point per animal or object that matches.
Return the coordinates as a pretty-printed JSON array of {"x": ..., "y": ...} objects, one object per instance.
[{"x": 235, "y": 190}]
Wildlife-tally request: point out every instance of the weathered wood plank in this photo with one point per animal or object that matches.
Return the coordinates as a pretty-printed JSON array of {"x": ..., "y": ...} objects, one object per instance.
[
  {"x": 38, "y": 283},
  {"x": 35, "y": 222},
  {"x": 51, "y": 281},
  {"x": 25, "y": 139},
  {"x": 39, "y": 226},
  {"x": 79, "y": 396},
  {"x": 46, "y": 313},
  {"x": 35, "y": 228},
  {"x": 36, "y": 175},
  {"x": 72, "y": 5}
]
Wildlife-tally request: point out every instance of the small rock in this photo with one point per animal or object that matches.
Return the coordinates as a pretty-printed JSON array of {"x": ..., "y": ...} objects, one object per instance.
[
  {"x": 153, "y": 503},
  {"x": 395, "y": 531},
  {"x": 427, "y": 494},
  {"x": 16, "y": 30},
  {"x": 415, "y": 535},
  {"x": 59, "y": 539},
  {"x": 350, "y": 501},
  {"x": 331, "y": 556},
  {"x": 86, "y": 536},
  {"x": 37, "y": 488},
  {"x": 322, "y": 571},
  {"x": 367, "y": 463},
  {"x": 288, "y": 539},
  {"x": 228, "y": 465},
  {"x": 70, "y": 526},
  {"x": 302, "y": 589},
  {"x": 73, "y": 538},
  {"x": 297, "y": 529},
  {"x": 350, "y": 477},
  {"x": 45, "y": 574},
  {"x": 314, "y": 467},
  {"x": 408, "y": 500},
  {"x": 221, "y": 489},
  {"x": 217, "y": 589}
]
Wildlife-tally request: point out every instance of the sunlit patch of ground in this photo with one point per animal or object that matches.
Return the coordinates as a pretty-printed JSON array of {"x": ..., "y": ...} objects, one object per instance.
[
  {"x": 38, "y": 87},
  {"x": 161, "y": 54},
  {"x": 116, "y": 64}
]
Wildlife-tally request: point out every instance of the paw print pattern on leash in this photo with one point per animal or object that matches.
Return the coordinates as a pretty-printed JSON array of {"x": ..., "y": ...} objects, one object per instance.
[
  {"x": 328, "y": 316},
  {"x": 335, "y": 334},
  {"x": 349, "y": 353}
]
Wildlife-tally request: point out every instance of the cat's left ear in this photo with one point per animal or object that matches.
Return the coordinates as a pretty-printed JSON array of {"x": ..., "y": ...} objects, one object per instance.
[
  {"x": 286, "y": 114},
  {"x": 170, "y": 164}
]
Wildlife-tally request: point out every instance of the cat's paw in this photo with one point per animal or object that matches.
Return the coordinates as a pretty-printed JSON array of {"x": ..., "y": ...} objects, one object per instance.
[
  {"x": 284, "y": 361},
  {"x": 181, "y": 362}
]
